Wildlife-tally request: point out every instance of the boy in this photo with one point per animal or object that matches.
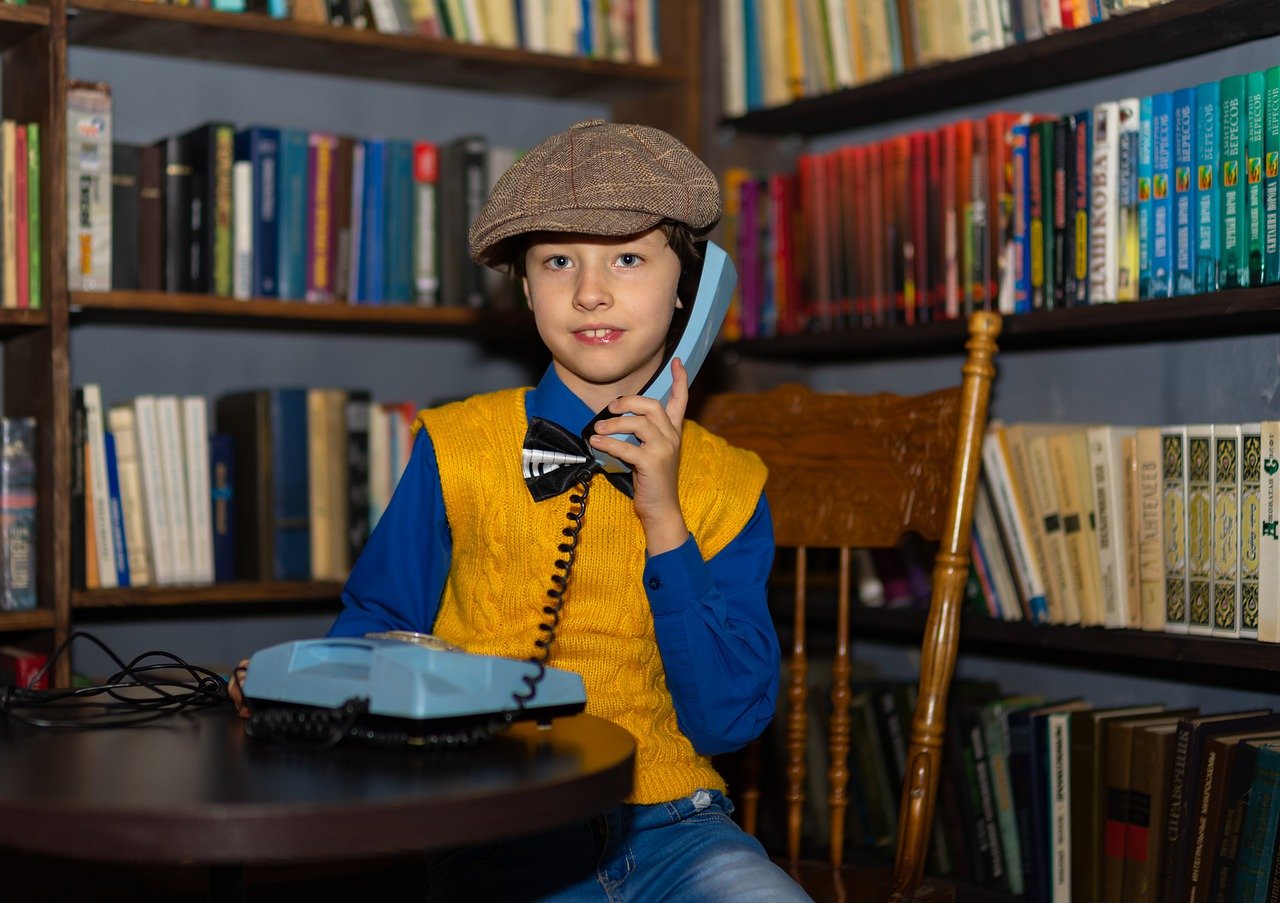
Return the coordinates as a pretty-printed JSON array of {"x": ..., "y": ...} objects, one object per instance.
[{"x": 663, "y": 609}]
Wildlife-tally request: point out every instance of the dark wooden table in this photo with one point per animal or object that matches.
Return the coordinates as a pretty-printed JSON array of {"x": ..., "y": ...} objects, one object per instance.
[{"x": 195, "y": 790}]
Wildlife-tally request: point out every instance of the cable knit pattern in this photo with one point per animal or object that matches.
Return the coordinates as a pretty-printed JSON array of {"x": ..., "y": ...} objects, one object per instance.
[{"x": 504, "y": 546}]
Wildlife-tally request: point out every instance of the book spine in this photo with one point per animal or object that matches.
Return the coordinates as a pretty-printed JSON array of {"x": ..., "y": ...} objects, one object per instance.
[
  {"x": 1146, "y": 162},
  {"x": 1026, "y": 206},
  {"x": 1184, "y": 192},
  {"x": 1250, "y": 527},
  {"x": 22, "y": 262},
  {"x": 1161, "y": 195},
  {"x": 173, "y": 483},
  {"x": 18, "y": 496},
  {"x": 1174, "y": 506},
  {"x": 1258, "y": 836},
  {"x": 1099, "y": 439},
  {"x": 426, "y": 175},
  {"x": 1082, "y": 143},
  {"x": 222, "y": 500},
  {"x": 159, "y": 535},
  {"x": 1224, "y": 588},
  {"x": 119, "y": 553},
  {"x": 1208, "y": 187},
  {"x": 35, "y": 253},
  {"x": 291, "y": 480},
  {"x": 1255, "y": 94},
  {"x": 1012, "y": 523},
  {"x": 1271, "y": 176},
  {"x": 88, "y": 195},
  {"x": 242, "y": 230},
  {"x": 220, "y": 209},
  {"x": 373, "y": 224},
  {"x": 1104, "y": 203},
  {"x": 1059, "y": 766},
  {"x": 292, "y": 215},
  {"x": 1234, "y": 263},
  {"x": 1269, "y": 536},
  {"x": 195, "y": 426},
  {"x": 1150, "y": 529},
  {"x": 321, "y": 185},
  {"x": 101, "y": 501},
  {"x": 1128, "y": 114},
  {"x": 1199, "y": 529},
  {"x": 121, "y": 421},
  {"x": 1038, "y": 224},
  {"x": 265, "y": 157}
]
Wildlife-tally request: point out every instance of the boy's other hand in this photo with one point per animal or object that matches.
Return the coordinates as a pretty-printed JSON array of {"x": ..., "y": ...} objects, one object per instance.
[
  {"x": 655, "y": 463},
  {"x": 235, "y": 689}
]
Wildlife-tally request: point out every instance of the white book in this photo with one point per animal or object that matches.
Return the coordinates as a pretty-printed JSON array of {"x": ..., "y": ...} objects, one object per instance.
[
  {"x": 1012, "y": 521},
  {"x": 980, "y": 40},
  {"x": 1001, "y": 23},
  {"x": 1269, "y": 535},
  {"x": 1200, "y": 529},
  {"x": 1050, "y": 16},
  {"x": 647, "y": 50},
  {"x": 1107, "y": 467},
  {"x": 173, "y": 481},
  {"x": 159, "y": 536},
  {"x": 121, "y": 421},
  {"x": 999, "y": 573},
  {"x": 1151, "y": 551},
  {"x": 1104, "y": 205},
  {"x": 1224, "y": 587},
  {"x": 426, "y": 174},
  {"x": 95, "y": 429},
  {"x": 1250, "y": 527},
  {"x": 379, "y": 463},
  {"x": 88, "y": 187},
  {"x": 475, "y": 27},
  {"x": 1173, "y": 440},
  {"x": 733, "y": 51},
  {"x": 841, "y": 43},
  {"x": 534, "y": 14},
  {"x": 195, "y": 427},
  {"x": 1127, "y": 237},
  {"x": 1060, "y": 806},
  {"x": 242, "y": 230}
]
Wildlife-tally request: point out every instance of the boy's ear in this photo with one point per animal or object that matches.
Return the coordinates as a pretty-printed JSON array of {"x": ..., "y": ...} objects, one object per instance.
[{"x": 524, "y": 286}]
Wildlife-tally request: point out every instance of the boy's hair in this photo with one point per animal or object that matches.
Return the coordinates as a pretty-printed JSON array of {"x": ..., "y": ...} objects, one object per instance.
[{"x": 597, "y": 178}]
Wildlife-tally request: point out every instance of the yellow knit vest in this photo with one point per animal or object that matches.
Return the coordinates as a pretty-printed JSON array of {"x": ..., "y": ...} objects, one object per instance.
[{"x": 504, "y": 547}]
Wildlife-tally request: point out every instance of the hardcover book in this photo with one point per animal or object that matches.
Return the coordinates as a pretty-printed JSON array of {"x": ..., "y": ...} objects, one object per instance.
[
  {"x": 1184, "y": 192},
  {"x": 1146, "y": 163},
  {"x": 1127, "y": 173},
  {"x": 124, "y": 216},
  {"x": 18, "y": 492},
  {"x": 1208, "y": 187},
  {"x": 1174, "y": 506},
  {"x": 1224, "y": 590},
  {"x": 1161, "y": 195},
  {"x": 88, "y": 186},
  {"x": 1234, "y": 264},
  {"x": 1271, "y": 176},
  {"x": 1250, "y": 526},
  {"x": 1254, "y": 92},
  {"x": 1200, "y": 460}
]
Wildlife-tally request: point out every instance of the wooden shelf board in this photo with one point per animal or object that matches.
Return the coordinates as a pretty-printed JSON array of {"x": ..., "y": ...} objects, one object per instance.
[
  {"x": 163, "y": 308},
  {"x": 18, "y": 22},
  {"x": 219, "y": 593},
  {"x": 1231, "y": 312},
  {"x": 1160, "y": 34},
  {"x": 13, "y": 321},
  {"x": 258, "y": 40},
  {"x": 15, "y": 621},
  {"x": 1141, "y": 649}
]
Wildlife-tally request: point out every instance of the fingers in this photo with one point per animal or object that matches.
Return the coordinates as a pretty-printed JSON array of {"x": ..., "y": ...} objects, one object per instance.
[
  {"x": 235, "y": 688},
  {"x": 679, "y": 400}
]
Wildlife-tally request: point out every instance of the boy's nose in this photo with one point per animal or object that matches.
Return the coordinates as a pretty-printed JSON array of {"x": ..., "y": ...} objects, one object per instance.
[{"x": 591, "y": 292}]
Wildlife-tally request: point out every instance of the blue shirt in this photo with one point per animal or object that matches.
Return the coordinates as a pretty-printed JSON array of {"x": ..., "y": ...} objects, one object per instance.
[{"x": 712, "y": 623}]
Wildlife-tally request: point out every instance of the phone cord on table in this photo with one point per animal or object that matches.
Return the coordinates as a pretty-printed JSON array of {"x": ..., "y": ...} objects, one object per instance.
[{"x": 559, "y": 586}]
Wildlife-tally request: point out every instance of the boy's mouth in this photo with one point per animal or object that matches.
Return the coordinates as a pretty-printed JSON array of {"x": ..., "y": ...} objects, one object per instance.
[{"x": 597, "y": 335}]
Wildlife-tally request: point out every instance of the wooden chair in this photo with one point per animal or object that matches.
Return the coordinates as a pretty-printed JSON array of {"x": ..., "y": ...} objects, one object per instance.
[{"x": 845, "y": 472}]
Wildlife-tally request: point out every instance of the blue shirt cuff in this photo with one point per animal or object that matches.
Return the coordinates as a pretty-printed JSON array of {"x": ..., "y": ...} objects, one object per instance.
[{"x": 675, "y": 580}]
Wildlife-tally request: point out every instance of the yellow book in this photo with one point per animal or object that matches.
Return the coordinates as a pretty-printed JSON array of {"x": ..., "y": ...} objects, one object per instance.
[
  {"x": 1173, "y": 441},
  {"x": 773, "y": 46},
  {"x": 1093, "y": 606},
  {"x": 795, "y": 50},
  {"x": 1070, "y": 505},
  {"x": 1150, "y": 528},
  {"x": 9, "y": 199},
  {"x": 1015, "y": 441},
  {"x": 1132, "y": 506},
  {"x": 1046, "y": 491},
  {"x": 1224, "y": 588},
  {"x": 318, "y": 495}
]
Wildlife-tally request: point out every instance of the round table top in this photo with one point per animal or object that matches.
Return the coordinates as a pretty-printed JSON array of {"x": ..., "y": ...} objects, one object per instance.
[{"x": 196, "y": 789}]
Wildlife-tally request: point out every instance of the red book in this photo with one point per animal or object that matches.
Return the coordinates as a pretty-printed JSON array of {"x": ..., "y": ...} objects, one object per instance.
[
  {"x": 19, "y": 666},
  {"x": 841, "y": 311},
  {"x": 23, "y": 230},
  {"x": 918, "y": 176},
  {"x": 903, "y": 261},
  {"x": 876, "y": 224},
  {"x": 852, "y": 235},
  {"x": 937, "y": 205},
  {"x": 999, "y": 198},
  {"x": 863, "y": 230}
]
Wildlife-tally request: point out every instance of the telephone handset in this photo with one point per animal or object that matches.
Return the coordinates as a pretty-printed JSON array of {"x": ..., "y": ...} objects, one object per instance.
[{"x": 705, "y": 289}]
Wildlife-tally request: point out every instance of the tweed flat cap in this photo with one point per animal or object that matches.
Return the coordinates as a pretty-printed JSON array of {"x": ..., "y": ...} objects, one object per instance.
[{"x": 596, "y": 178}]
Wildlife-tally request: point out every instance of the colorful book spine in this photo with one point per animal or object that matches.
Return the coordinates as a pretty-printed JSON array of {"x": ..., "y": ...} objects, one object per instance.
[
  {"x": 1145, "y": 162},
  {"x": 1199, "y": 528},
  {"x": 426, "y": 175},
  {"x": 1024, "y": 233},
  {"x": 18, "y": 493},
  {"x": 372, "y": 271},
  {"x": 1234, "y": 264},
  {"x": 1255, "y": 105},
  {"x": 222, "y": 500},
  {"x": 1082, "y": 141},
  {"x": 1208, "y": 187},
  {"x": 1224, "y": 589},
  {"x": 1043, "y": 169},
  {"x": 261, "y": 148},
  {"x": 1184, "y": 192},
  {"x": 1104, "y": 203},
  {"x": 1161, "y": 196},
  {"x": 36, "y": 294},
  {"x": 1258, "y": 836},
  {"x": 22, "y": 262},
  {"x": 88, "y": 195},
  {"x": 119, "y": 552},
  {"x": 1127, "y": 230},
  {"x": 292, "y": 222},
  {"x": 1271, "y": 177},
  {"x": 1250, "y": 526},
  {"x": 1174, "y": 505},
  {"x": 1033, "y": 187},
  {"x": 1064, "y": 271},
  {"x": 321, "y": 237}
]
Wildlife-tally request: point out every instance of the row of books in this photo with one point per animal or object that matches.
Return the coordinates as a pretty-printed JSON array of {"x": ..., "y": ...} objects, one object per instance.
[
  {"x": 1063, "y": 801},
  {"x": 267, "y": 212},
  {"x": 286, "y": 487},
  {"x": 778, "y": 52},
  {"x": 624, "y": 31},
  {"x": 17, "y": 513},
  {"x": 1141, "y": 198},
  {"x": 1169, "y": 528},
  {"x": 20, "y": 285}
]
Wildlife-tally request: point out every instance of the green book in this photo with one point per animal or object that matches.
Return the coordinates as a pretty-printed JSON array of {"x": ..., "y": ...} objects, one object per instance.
[
  {"x": 1271, "y": 176},
  {"x": 1234, "y": 270},
  {"x": 33, "y": 213},
  {"x": 1253, "y": 147}
]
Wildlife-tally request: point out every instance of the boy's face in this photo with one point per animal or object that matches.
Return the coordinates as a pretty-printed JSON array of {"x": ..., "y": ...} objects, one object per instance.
[{"x": 603, "y": 307}]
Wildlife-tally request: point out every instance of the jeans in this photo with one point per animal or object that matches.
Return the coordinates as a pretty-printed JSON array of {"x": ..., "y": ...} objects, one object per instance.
[{"x": 686, "y": 850}]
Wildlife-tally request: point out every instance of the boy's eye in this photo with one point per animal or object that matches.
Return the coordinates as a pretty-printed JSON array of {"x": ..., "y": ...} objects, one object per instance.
[
  {"x": 629, "y": 260},
  {"x": 558, "y": 262}
]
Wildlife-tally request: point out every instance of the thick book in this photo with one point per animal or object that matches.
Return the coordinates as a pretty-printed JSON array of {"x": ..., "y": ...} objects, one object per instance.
[
  {"x": 291, "y": 223},
  {"x": 179, "y": 234},
  {"x": 322, "y": 204},
  {"x": 1208, "y": 186},
  {"x": 1224, "y": 586},
  {"x": 88, "y": 195},
  {"x": 122, "y": 423},
  {"x": 1250, "y": 527},
  {"x": 150, "y": 240},
  {"x": 100, "y": 501},
  {"x": 1200, "y": 539},
  {"x": 18, "y": 494},
  {"x": 1161, "y": 195},
  {"x": 173, "y": 482},
  {"x": 1129, "y": 117},
  {"x": 1269, "y": 534},
  {"x": 1173, "y": 441},
  {"x": 222, "y": 499},
  {"x": 160, "y": 534},
  {"x": 1234, "y": 262},
  {"x": 209, "y": 149},
  {"x": 462, "y": 181},
  {"x": 1150, "y": 528},
  {"x": 1184, "y": 192},
  {"x": 357, "y": 460},
  {"x": 124, "y": 216},
  {"x": 1104, "y": 209},
  {"x": 194, "y": 412},
  {"x": 261, "y": 148},
  {"x": 1152, "y": 763}
]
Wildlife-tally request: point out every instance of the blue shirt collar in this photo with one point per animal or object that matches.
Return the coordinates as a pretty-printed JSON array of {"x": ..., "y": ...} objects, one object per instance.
[{"x": 552, "y": 400}]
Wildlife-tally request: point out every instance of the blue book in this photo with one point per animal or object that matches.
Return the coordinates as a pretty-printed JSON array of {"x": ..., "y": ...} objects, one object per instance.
[
  {"x": 290, "y": 490},
  {"x": 1208, "y": 187},
  {"x": 753, "y": 57},
  {"x": 292, "y": 223},
  {"x": 1255, "y": 106},
  {"x": 117, "y": 510},
  {"x": 1144, "y": 198},
  {"x": 1184, "y": 192},
  {"x": 1258, "y": 836},
  {"x": 584, "y": 36},
  {"x": 399, "y": 228},
  {"x": 373, "y": 224},
  {"x": 1161, "y": 196},
  {"x": 278, "y": 9},
  {"x": 18, "y": 493},
  {"x": 261, "y": 148},
  {"x": 223, "y": 505},
  {"x": 1021, "y": 136},
  {"x": 1233, "y": 268}
]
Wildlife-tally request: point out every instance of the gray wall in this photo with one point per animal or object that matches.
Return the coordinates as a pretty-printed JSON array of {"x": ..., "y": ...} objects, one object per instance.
[{"x": 1221, "y": 379}]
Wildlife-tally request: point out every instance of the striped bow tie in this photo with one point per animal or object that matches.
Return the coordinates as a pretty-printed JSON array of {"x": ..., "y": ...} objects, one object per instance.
[{"x": 554, "y": 459}]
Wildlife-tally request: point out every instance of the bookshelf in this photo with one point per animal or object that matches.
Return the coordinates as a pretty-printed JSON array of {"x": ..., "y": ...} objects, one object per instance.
[{"x": 37, "y": 41}]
